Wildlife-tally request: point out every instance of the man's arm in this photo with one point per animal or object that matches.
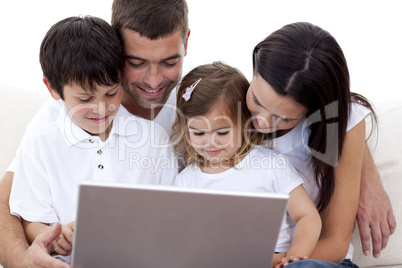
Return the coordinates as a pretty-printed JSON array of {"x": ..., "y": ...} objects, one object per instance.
[
  {"x": 37, "y": 254},
  {"x": 375, "y": 216},
  {"x": 14, "y": 248},
  {"x": 13, "y": 243}
]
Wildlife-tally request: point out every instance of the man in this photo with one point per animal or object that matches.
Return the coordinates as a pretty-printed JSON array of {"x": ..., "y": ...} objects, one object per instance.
[
  {"x": 153, "y": 68},
  {"x": 155, "y": 36}
]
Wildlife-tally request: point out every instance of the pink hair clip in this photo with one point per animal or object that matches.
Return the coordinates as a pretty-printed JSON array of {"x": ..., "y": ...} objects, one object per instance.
[{"x": 189, "y": 90}]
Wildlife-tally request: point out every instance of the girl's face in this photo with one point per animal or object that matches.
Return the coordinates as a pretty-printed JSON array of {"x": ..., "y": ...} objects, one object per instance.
[
  {"x": 215, "y": 136},
  {"x": 270, "y": 111}
]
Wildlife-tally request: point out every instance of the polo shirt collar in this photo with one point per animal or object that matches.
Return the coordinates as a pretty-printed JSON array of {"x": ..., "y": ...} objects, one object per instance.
[{"x": 122, "y": 125}]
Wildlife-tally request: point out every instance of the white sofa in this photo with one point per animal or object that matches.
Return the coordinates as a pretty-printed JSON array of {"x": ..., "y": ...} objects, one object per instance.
[{"x": 18, "y": 107}]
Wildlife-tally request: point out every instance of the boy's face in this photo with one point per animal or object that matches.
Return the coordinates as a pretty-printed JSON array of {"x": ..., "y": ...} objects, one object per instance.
[
  {"x": 153, "y": 68},
  {"x": 92, "y": 111},
  {"x": 215, "y": 137}
]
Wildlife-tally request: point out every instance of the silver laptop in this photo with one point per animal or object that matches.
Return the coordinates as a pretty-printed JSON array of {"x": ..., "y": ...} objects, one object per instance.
[{"x": 156, "y": 226}]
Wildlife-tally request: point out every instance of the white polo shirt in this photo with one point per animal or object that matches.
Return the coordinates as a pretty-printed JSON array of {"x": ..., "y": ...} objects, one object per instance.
[
  {"x": 53, "y": 159},
  {"x": 50, "y": 110}
]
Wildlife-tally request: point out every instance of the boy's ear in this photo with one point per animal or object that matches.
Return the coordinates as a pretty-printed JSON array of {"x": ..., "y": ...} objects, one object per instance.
[{"x": 55, "y": 95}]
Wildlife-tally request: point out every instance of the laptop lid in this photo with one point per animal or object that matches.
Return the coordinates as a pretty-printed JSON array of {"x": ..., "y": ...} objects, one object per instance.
[{"x": 156, "y": 226}]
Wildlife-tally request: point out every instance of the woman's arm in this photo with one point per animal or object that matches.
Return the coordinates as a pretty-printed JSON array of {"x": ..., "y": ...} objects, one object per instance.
[
  {"x": 374, "y": 214},
  {"x": 339, "y": 216}
]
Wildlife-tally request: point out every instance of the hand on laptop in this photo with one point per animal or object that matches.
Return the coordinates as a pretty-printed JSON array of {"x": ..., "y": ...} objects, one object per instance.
[
  {"x": 37, "y": 255},
  {"x": 280, "y": 260},
  {"x": 63, "y": 245}
]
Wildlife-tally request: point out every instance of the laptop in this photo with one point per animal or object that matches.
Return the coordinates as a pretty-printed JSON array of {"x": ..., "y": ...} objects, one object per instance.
[{"x": 159, "y": 226}]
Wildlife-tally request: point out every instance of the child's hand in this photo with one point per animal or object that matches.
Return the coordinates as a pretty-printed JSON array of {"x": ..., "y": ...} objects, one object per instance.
[
  {"x": 286, "y": 260},
  {"x": 277, "y": 259},
  {"x": 63, "y": 245}
]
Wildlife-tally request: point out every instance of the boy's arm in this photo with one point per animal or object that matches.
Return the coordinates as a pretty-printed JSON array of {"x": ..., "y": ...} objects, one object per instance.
[
  {"x": 375, "y": 211},
  {"x": 37, "y": 255},
  {"x": 63, "y": 244},
  {"x": 33, "y": 229},
  {"x": 13, "y": 243}
]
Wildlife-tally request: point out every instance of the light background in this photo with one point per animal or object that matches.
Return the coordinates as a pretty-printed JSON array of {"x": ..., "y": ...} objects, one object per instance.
[{"x": 370, "y": 33}]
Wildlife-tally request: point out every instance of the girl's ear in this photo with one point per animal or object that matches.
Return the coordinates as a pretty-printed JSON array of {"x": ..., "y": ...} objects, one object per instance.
[{"x": 55, "y": 95}]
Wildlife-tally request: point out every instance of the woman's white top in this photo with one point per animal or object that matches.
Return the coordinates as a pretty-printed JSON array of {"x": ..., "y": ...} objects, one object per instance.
[{"x": 294, "y": 145}]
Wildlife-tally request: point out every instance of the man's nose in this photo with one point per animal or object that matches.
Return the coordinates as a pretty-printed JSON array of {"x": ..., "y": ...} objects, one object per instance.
[{"x": 153, "y": 77}]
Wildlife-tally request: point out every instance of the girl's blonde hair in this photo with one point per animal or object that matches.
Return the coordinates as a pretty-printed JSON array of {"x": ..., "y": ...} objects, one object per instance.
[{"x": 220, "y": 85}]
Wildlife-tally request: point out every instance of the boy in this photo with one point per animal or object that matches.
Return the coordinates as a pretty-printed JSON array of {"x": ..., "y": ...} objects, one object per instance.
[{"x": 94, "y": 138}]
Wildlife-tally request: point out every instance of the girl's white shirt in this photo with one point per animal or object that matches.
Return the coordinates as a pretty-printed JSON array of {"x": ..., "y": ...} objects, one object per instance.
[{"x": 261, "y": 170}]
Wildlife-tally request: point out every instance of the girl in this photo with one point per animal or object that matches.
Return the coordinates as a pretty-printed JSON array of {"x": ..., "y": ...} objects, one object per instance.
[
  {"x": 220, "y": 153},
  {"x": 300, "y": 96}
]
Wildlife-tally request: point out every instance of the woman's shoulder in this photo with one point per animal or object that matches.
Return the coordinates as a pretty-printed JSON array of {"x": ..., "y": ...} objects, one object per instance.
[
  {"x": 268, "y": 157},
  {"x": 357, "y": 113}
]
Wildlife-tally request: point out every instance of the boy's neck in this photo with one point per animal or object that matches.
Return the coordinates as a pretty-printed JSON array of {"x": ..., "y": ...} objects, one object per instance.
[{"x": 105, "y": 135}]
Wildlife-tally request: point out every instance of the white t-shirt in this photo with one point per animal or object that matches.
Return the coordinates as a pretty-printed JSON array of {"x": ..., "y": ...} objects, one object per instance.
[
  {"x": 167, "y": 114},
  {"x": 294, "y": 145},
  {"x": 260, "y": 171},
  {"x": 53, "y": 159}
]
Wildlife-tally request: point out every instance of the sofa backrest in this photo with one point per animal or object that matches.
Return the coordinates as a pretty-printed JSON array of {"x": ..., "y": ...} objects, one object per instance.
[
  {"x": 386, "y": 148},
  {"x": 18, "y": 107}
]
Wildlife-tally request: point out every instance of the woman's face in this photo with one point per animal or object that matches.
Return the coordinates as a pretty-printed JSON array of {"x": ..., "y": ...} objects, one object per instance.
[{"x": 270, "y": 111}]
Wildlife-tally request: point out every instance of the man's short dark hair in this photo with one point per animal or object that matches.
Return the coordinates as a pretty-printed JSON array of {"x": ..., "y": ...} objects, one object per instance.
[{"x": 150, "y": 18}]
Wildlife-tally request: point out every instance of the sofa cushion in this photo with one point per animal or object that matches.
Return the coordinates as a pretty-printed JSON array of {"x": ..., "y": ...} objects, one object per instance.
[
  {"x": 386, "y": 148},
  {"x": 18, "y": 106}
]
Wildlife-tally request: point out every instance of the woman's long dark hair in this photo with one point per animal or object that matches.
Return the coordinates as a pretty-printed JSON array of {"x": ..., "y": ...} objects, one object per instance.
[{"x": 306, "y": 63}]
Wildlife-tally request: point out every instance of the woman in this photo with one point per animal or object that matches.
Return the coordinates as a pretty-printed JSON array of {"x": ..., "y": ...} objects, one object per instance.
[{"x": 300, "y": 97}]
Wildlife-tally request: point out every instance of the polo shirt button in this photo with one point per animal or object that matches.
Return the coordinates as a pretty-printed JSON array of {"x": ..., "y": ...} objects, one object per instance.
[
  {"x": 91, "y": 140},
  {"x": 99, "y": 152},
  {"x": 100, "y": 167}
]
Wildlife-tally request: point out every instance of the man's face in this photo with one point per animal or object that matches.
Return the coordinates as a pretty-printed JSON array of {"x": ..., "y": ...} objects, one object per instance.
[{"x": 153, "y": 67}]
